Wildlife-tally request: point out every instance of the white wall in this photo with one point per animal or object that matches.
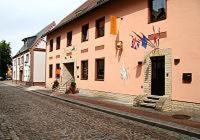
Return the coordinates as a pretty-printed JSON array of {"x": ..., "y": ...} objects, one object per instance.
[
  {"x": 39, "y": 66},
  {"x": 26, "y": 68},
  {"x": 42, "y": 43},
  {"x": 14, "y": 63}
]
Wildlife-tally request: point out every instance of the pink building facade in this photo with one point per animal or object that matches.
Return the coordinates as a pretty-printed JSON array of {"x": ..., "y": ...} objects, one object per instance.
[{"x": 94, "y": 62}]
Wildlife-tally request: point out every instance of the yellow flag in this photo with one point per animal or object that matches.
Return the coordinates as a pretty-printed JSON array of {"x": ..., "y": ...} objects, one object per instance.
[{"x": 113, "y": 25}]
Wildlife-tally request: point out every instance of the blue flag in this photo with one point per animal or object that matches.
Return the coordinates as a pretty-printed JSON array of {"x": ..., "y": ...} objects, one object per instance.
[{"x": 144, "y": 41}]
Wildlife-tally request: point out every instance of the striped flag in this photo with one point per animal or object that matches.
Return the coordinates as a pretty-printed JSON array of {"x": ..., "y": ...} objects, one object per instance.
[{"x": 155, "y": 36}]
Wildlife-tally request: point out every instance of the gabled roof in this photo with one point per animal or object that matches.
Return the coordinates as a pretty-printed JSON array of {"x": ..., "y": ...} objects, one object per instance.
[
  {"x": 86, "y": 7},
  {"x": 29, "y": 42}
]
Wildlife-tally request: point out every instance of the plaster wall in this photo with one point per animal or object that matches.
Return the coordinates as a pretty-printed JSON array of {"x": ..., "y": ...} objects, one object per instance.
[
  {"x": 183, "y": 33},
  {"x": 39, "y": 67}
]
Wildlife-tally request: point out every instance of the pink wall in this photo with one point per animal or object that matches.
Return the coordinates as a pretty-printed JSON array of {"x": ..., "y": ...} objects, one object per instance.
[{"x": 182, "y": 37}]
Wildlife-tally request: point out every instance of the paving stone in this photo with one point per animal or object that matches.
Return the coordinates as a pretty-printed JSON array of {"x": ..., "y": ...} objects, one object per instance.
[{"x": 39, "y": 117}]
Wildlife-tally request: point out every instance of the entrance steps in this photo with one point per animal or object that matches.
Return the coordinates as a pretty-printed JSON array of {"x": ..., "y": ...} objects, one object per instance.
[
  {"x": 62, "y": 89},
  {"x": 150, "y": 101}
]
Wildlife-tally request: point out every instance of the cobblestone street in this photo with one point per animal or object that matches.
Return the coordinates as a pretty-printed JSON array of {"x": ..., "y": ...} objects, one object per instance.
[{"x": 27, "y": 116}]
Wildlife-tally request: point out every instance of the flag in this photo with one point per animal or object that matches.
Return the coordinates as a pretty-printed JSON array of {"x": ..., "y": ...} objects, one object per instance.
[
  {"x": 113, "y": 25},
  {"x": 158, "y": 37},
  {"x": 134, "y": 41},
  {"x": 155, "y": 36},
  {"x": 144, "y": 41},
  {"x": 149, "y": 42}
]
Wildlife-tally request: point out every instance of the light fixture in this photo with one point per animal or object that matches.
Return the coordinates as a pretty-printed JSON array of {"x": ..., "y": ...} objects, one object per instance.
[
  {"x": 140, "y": 62},
  {"x": 119, "y": 45}
]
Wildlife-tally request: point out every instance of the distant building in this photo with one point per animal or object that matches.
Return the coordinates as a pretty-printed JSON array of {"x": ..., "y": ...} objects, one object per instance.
[
  {"x": 95, "y": 46},
  {"x": 9, "y": 72},
  {"x": 29, "y": 62}
]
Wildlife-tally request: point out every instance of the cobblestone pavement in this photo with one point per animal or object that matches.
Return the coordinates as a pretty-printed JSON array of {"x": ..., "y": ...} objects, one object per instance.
[{"x": 27, "y": 116}]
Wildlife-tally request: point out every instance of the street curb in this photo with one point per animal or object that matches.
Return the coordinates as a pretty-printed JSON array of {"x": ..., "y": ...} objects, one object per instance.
[
  {"x": 190, "y": 131},
  {"x": 130, "y": 116}
]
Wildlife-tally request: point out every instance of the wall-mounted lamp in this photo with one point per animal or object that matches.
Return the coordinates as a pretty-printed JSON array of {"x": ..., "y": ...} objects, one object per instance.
[
  {"x": 140, "y": 62},
  {"x": 119, "y": 45},
  {"x": 77, "y": 67},
  {"x": 176, "y": 61}
]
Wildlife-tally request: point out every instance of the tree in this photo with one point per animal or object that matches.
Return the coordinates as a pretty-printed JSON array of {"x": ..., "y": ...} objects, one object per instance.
[{"x": 5, "y": 58}]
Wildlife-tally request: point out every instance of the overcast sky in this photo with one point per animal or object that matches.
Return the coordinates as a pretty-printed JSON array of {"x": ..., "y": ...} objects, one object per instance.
[{"x": 23, "y": 18}]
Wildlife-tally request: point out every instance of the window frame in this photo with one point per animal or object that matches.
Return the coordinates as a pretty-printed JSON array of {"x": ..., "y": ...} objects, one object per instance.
[
  {"x": 97, "y": 28},
  {"x": 51, "y": 71},
  {"x": 69, "y": 40},
  {"x": 58, "y": 41},
  {"x": 96, "y": 69},
  {"x": 19, "y": 61},
  {"x": 51, "y": 45},
  {"x": 150, "y": 9},
  {"x": 82, "y": 70},
  {"x": 84, "y": 37},
  {"x": 27, "y": 58}
]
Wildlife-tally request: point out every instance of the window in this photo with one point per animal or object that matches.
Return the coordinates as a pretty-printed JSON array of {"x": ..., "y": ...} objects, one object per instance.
[
  {"x": 50, "y": 71},
  {"x": 69, "y": 39},
  {"x": 27, "y": 58},
  {"x": 57, "y": 70},
  {"x": 22, "y": 60},
  {"x": 99, "y": 69},
  {"x": 84, "y": 70},
  {"x": 18, "y": 61},
  {"x": 58, "y": 43},
  {"x": 85, "y": 33},
  {"x": 100, "y": 27},
  {"x": 51, "y": 45},
  {"x": 157, "y": 10}
]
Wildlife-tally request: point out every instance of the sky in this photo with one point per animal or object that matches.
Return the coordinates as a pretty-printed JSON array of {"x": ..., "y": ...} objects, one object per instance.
[{"x": 23, "y": 18}]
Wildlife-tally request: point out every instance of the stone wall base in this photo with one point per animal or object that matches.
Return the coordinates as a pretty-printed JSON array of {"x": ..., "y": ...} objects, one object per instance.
[{"x": 29, "y": 83}]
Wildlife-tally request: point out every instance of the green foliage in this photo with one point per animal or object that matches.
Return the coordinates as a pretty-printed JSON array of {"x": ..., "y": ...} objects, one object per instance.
[
  {"x": 5, "y": 58},
  {"x": 73, "y": 84}
]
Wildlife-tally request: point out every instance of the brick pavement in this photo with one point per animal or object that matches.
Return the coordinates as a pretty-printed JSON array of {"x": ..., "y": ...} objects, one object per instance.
[
  {"x": 124, "y": 108},
  {"x": 35, "y": 116}
]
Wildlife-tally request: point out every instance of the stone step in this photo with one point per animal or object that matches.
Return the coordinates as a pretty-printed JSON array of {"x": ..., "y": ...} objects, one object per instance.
[
  {"x": 154, "y": 97},
  {"x": 148, "y": 105},
  {"x": 146, "y": 100}
]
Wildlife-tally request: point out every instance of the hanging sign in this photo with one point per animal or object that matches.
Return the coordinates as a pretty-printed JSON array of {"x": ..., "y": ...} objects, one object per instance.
[{"x": 58, "y": 71}]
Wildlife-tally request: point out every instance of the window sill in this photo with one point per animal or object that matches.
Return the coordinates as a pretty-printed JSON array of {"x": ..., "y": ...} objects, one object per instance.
[
  {"x": 99, "y": 79},
  {"x": 99, "y": 37},
  {"x": 69, "y": 46},
  {"x": 84, "y": 41},
  {"x": 149, "y": 22},
  {"x": 84, "y": 79}
]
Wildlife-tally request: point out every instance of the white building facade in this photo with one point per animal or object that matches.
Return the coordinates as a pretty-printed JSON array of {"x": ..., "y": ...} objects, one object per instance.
[{"x": 29, "y": 62}]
